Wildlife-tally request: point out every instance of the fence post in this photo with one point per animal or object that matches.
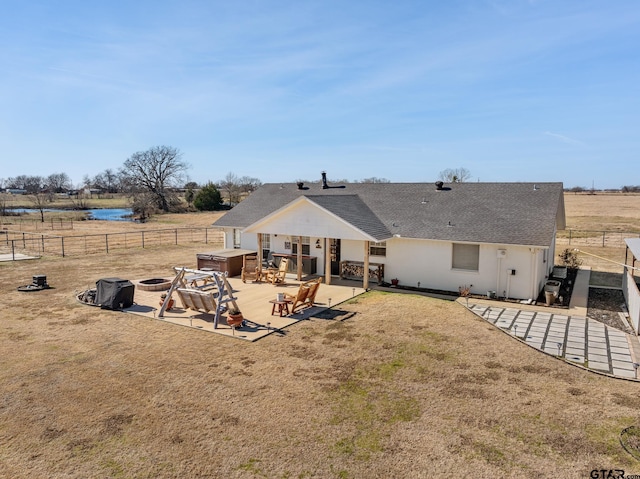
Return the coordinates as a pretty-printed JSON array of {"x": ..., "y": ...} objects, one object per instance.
[
  {"x": 143, "y": 240},
  {"x": 206, "y": 236},
  {"x": 176, "y": 233},
  {"x": 24, "y": 245},
  {"x": 42, "y": 238},
  {"x": 106, "y": 242},
  {"x": 62, "y": 243},
  {"x": 603, "y": 233},
  {"x": 13, "y": 250}
]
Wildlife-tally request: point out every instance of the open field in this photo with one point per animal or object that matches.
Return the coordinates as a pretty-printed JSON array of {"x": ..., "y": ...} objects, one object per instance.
[
  {"x": 107, "y": 200},
  {"x": 603, "y": 211},
  {"x": 597, "y": 225},
  {"x": 397, "y": 385}
]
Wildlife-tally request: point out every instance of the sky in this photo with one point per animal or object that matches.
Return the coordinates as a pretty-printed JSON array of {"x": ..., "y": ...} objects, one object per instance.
[{"x": 511, "y": 90}]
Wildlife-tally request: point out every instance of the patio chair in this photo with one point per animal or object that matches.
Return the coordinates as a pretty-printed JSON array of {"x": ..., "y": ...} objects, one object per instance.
[
  {"x": 298, "y": 300},
  {"x": 251, "y": 269},
  {"x": 274, "y": 276},
  {"x": 313, "y": 286},
  {"x": 196, "y": 299}
]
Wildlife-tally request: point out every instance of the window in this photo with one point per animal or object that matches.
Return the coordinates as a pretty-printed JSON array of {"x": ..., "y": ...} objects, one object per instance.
[
  {"x": 306, "y": 248},
  {"x": 465, "y": 256},
  {"x": 266, "y": 245},
  {"x": 236, "y": 238},
  {"x": 378, "y": 248}
]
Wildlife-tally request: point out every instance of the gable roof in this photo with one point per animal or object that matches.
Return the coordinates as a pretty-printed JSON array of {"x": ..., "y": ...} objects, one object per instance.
[
  {"x": 348, "y": 209},
  {"x": 501, "y": 213}
]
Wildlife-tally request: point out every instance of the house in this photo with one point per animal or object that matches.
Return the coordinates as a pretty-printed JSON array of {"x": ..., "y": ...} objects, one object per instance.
[
  {"x": 16, "y": 191},
  {"x": 496, "y": 238}
]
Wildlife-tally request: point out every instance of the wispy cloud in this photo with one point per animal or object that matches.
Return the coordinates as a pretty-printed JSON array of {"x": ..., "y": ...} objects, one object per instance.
[{"x": 565, "y": 139}]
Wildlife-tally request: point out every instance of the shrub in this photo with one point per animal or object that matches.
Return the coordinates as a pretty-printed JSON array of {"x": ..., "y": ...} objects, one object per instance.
[
  {"x": 569, "y": 258},
  {"x": 208, "y": 198}
]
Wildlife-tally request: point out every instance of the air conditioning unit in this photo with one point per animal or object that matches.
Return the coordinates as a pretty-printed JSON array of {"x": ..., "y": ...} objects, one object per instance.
[{"x": 502, "y": 253}]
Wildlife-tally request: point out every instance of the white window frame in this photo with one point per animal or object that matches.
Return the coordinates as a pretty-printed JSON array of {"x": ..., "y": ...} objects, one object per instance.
[
  {"x": 306, "y": 245},
  {"x": 266, "y": 241},
  {"x": 378, "y": 248},
  {"x": 237, "y": 238},
  {"x": 266, "y": 244}
]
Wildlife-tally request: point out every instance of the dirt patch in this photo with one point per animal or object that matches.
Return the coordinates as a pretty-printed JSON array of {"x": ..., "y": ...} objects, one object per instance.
[
  {"x": 603, "y": 305},
  {"x": 604, "y": 278}
]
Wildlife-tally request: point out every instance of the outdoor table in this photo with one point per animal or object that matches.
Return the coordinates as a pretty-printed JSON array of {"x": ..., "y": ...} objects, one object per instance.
[{"x": 283, "y": 306}]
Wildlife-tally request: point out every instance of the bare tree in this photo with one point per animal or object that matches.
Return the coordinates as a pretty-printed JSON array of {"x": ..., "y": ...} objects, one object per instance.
[
  {"x": 111, "y": 180},
  {"x": 58, "y": 182},
  {"x": 248, "y": 184},
  {"x": 373, "y": 179},
  {"x": 32, "y": 184},
  {"x": 455, "y": 175},
  {"x": 155, "y": 171},
  {"x": 144, "y": 204},
  {"x": 39, "y": 201},
  {"x": 231, "y": 186}
]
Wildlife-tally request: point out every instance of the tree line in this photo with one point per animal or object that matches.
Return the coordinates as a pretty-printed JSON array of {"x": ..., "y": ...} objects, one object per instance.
[{"x": 155, "y": 180}]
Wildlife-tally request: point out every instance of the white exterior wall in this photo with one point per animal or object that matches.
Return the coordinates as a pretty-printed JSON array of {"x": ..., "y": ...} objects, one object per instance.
[
  {"x": 632, "y": 297},
  {"x": 429, "y": 262}
]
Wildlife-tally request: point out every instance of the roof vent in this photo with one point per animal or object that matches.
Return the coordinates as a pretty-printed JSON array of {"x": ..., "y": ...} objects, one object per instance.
[
  {"x": 439, "y": 185},
  {"x": 324, "y": 181},
  {"x": 300, "y": 185}
]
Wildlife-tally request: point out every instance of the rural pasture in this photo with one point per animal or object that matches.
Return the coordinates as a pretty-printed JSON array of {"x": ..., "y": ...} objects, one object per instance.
[{"x": 390, "y": 385}]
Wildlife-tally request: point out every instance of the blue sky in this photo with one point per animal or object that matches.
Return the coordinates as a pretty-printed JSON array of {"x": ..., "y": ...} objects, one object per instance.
[{"x": 512, "y": 90}]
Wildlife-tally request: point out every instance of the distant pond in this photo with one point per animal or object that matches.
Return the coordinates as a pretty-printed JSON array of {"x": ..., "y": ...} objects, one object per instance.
[
  {"x": 111, "y": 214},
  {"x": 105, "y": 214}
]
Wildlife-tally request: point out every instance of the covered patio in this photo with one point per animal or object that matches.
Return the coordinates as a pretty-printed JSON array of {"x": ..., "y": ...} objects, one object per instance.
[{"x": 252, "y": 299}]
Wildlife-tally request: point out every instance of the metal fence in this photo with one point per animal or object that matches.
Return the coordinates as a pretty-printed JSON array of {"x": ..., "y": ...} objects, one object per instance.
[
  {"x": 39, "y": 244},
  {"x": 600, "y": 250},
  {"x": 14, "y": 222},
  {"x": 604, "y": 239}
]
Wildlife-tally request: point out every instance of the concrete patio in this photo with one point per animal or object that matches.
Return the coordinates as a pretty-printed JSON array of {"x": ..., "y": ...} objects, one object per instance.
[{"x": 253, "y": 300}]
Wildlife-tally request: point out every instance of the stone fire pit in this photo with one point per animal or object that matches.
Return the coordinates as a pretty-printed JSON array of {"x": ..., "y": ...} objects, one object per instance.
[{"x": 153, "y": 284}]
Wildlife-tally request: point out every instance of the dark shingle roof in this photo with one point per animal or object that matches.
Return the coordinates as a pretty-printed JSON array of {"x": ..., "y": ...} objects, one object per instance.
[{"x": 502, "y": 213}]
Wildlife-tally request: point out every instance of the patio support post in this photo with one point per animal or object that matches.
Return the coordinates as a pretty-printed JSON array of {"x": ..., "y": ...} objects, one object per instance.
[
  {"x": 327, "y": 261},
  {"x": 365, "y": 279},
  {"x": 299, "y": 258},
  {"x": 259, "y": 252}
]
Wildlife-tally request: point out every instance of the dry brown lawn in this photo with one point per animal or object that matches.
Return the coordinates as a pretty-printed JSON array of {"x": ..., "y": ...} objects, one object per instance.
[{"x": 396, "y": 385}]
